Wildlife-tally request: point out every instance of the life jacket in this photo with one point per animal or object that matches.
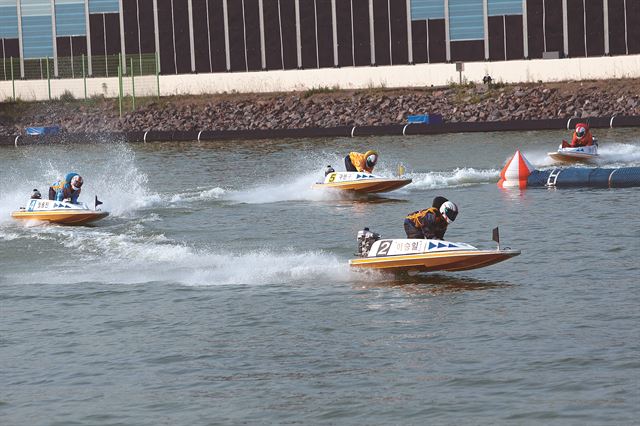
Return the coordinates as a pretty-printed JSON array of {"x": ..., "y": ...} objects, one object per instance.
[
  {"x": 429, "y": 221},
  {"x": 587, "y": 139},
  {"x": 359, "y": 161}
]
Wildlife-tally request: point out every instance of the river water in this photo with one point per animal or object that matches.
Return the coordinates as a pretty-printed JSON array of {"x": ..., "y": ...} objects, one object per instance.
[{"x": 218, "y": 290}]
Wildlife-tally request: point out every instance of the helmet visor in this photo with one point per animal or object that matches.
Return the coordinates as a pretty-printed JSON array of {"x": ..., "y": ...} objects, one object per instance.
[
  {"x": 372, "y": 160},
  {"x": 450, "y": 214},
  {"x": 581, "y": 131},
  {"x": 76, "y": 182}
]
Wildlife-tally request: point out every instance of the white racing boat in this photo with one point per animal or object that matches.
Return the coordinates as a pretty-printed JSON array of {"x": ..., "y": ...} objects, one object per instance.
[
  {"x": 59, "y": 212},
  {"x": 361, "y": 182},
  {"x": 420, "y": 255},
  {"x": 567, "y": 153}
]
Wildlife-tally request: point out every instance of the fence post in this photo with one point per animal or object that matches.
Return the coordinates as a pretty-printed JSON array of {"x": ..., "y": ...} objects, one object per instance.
[
  {"x": 133, "y": 86},
  {"x": 120, "y": 89},
  {"x": 158, "y": 74},
  {"x": 48, "y": 78},
  {"x": 84, "y": 78},
  {"x": 13, "y": 81}
]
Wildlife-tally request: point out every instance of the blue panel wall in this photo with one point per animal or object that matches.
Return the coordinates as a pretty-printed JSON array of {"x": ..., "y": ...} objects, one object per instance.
[
  {"x": 37, "y": 39},
  {"x": 103, "y": 6},
  {"x": 37, "y": 35},
  {"x": 70, "y": 19},
  {"x": 427, "y": 9},
  {"x": 466, "y": 20},
  {"x": 505, "y": 7},
  {"x": 8, "y": 19}
]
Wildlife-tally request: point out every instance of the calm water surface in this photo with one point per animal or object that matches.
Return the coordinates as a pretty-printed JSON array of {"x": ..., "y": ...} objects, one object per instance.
[{"x": 218, "y": 291}]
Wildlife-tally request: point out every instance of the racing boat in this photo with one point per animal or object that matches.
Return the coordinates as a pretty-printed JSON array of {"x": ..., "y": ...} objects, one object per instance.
[
  {"x": 567, "y": 153},
  {"x": 361, "y": 182},
  {"x": 413, "y": 255},
  {"x": 60, "y": 212}
]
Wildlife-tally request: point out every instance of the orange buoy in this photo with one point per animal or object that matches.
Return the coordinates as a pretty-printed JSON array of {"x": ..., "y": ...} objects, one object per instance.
[{"x": 515, "y": 172}]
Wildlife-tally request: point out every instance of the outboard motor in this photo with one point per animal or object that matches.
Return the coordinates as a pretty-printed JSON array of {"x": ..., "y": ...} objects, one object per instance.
[
  {"x": 366, "y": 239},
  {"x": 328, "y": 170}
]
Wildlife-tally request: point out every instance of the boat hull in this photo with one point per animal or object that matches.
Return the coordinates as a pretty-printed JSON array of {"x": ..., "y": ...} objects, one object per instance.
[
  {"x": 60, "y": 216},
  {"x": 368, "y": 186},
  {"x": 436, "y": 261}
]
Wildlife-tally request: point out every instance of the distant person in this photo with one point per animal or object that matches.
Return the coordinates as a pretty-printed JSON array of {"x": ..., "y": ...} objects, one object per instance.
[
  {"x": 582, "y": 136},
  {"x": 357, "y": 162},
  {"x": 431, "y": 223},
  {"x": 67, "y": 189},
  {"x": 35, "y": 195}
]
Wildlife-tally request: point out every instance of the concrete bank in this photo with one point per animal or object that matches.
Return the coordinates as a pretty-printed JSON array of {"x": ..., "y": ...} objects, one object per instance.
[{"x": 311, "y": 132}]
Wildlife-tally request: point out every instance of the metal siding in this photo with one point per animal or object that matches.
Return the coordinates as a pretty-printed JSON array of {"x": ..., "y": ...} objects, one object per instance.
[
  {"x": 325, "y": 34},
  {"x": 633, "y": 26},
  {"x": 381, "y": 31},
  {"x": 576, "y": 28},
  {"x": 272, "y": 35},
  {"x": 70, "y": 19},
  {"x": 466, "y": 20},
  {"x": 201, "y": 36},
  {"x": 535, "y": 28},
  {"x": 399, "y": 41},
  {"x": 8, "y": 21},
  {"x": 147, "y": 31},
  {"x": 79, "y": 45},
  {"x": 236, "y": 36},
  {"x": 617, "y": 45},
  {"x": 595, "y": 27},
  {"x": 437, "y": 41},
  {"x": 252, "y": 29},
  {"x": 504, "y": 7},
  {"x": 130, "y": 16},
  {"x": 361, "y": 34},
  {"x": 97, "y": 34},
  {"x": 427, "y": 9},
  {"x": 63, "y": 46},
  {"x": 345, "y": 42},
  {"x": 308, "y": 34},
  {"x": 11, "y": 48},
  {"x": 553, "y": 26},
  {"x": 496, "y": 38},
  {"x": 183, "y": 43},
  {"x": 37, "y": 38},
  {"x": 216, "y": 32},
  {"x": 165, "y": 35},
  {"x": 515, "y": 38},
  {"x": 112, "y": 30},
  {"x": 419, "y": 41},
  {"x": 467, "y": 50},
  {"x": 289, "y": 36},
  {"x": 103, "y": 6}
]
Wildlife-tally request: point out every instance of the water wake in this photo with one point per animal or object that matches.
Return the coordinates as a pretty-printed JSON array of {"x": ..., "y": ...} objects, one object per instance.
[{"x": 451, "y": 179}]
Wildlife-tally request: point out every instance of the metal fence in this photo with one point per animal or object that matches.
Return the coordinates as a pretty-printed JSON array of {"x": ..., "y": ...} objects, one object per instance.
[{"x": 137, "y": 74}]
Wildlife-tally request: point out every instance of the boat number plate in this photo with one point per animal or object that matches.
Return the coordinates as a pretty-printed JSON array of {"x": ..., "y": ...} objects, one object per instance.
[{"x": 384, "y": 247}]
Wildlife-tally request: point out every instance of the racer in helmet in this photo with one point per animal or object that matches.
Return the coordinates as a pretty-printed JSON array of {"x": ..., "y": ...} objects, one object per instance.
[
  {"x": 431, "y": 223},
  {"x": 67, "y": 189},
  {"x": 35, "y": 195},
  {"x": 582, "y": 136},
  {"x": 357, "y": 162}
]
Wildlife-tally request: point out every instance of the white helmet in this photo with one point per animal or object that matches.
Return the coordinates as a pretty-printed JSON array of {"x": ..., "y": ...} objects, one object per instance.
[
  {"x": 449, "y": 210},
  {"x": 76, "y": 182}
]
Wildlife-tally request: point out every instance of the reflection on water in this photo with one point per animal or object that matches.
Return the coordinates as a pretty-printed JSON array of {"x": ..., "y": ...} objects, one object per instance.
[{"x": 432, "y": 284}]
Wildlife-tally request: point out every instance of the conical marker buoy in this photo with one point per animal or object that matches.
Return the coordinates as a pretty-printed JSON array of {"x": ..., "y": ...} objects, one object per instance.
[{"x": 515, "y": 172}]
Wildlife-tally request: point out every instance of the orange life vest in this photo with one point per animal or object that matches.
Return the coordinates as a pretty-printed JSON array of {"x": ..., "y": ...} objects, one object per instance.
[{"x": 359, "y": 161}]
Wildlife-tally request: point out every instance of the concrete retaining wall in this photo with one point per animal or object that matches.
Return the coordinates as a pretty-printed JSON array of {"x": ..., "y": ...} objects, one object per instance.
[{"x": 421, "y": 75}]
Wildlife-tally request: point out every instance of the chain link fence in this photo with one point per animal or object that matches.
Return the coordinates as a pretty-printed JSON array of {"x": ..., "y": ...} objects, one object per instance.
[{"x": 137, "y": 75}]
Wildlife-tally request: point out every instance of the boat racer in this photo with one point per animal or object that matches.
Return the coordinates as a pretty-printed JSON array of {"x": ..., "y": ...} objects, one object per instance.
[
  {"x": 431, "y": 223},
  {"x": 357, "y": 162},
  {"x": 67, "y": 189},
  {"x": 582, "y": 136}
]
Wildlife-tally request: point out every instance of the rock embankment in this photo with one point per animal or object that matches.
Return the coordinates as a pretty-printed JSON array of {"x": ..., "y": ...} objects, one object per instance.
[{"x": 327, "y": 108}]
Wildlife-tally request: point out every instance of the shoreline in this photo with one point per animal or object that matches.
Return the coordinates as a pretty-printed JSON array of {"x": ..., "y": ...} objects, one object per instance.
[{"x": 327, "y": 112}]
